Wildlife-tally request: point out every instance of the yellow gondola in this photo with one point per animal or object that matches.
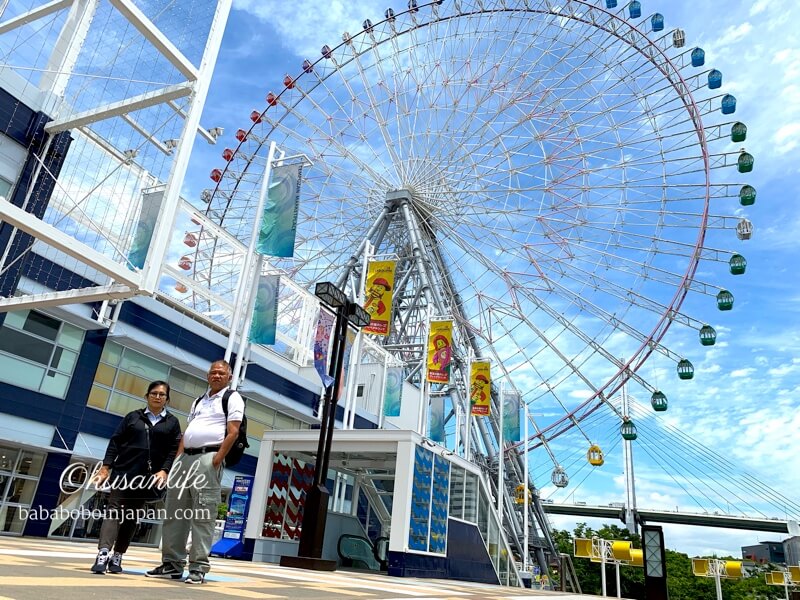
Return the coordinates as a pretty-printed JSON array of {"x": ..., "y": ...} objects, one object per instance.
[
  {"x": 520, "y": 494},
  {"x": 595, "y": 456}
]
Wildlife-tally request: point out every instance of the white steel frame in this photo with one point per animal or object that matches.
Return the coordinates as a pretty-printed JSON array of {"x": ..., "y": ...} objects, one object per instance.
[{"x": 124, "y": 283}]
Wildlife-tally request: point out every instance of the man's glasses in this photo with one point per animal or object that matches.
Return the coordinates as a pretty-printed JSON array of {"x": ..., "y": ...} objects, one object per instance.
[{"x": 157, "y": 394}]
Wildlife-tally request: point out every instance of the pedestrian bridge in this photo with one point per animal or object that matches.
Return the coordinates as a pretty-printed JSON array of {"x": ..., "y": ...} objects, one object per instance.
[{"x": 771, "y": 525}]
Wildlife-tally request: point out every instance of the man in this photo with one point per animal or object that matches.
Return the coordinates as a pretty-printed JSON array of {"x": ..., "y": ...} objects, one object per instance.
[{"x": 192, "y": 506}]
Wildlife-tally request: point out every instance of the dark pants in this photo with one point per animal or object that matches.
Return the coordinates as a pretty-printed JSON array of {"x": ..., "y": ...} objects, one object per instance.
[{"x": 120, "y": 522}]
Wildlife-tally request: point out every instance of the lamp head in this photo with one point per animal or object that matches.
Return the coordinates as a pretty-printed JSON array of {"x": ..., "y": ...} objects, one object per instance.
[
  {"x": 330, "y": 294},
  {"x": 357, "y": 315}
]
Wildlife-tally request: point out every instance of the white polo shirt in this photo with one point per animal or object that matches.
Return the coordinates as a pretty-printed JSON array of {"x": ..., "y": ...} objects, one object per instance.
[{"x": 207, "y": 425}]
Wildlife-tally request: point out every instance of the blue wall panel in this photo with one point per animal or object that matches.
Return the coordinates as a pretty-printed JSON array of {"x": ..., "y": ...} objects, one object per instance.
[
  {"x": 53, "y": 275},
  {"x": 467, "y": 558},
  {"x": 40, "y": 192},
  {"x": 467, "y": 555},
  {"x": 15, "y": 118}
]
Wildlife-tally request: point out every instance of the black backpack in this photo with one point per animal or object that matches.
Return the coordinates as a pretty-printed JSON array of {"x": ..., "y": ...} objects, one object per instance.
[{"x": 237, "y": 450}]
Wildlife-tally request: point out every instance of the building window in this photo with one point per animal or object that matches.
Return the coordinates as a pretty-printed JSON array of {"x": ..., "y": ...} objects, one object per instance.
[
  {"x": 38, "y": 352},
  {"x": 5, "y": 188},
  {"x": 123, "y": 375},
  {"x": 19, "y": 475}
]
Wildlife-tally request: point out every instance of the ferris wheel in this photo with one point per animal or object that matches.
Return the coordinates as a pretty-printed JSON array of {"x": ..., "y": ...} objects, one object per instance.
[{"x": 549, "y": 176}]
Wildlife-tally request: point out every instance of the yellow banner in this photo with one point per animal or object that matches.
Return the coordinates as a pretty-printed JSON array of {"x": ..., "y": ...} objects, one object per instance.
[
  {"x": 480, "y": 388},
  {"x": 378, "y": 292},
  {"x": 440, "y": 351}
]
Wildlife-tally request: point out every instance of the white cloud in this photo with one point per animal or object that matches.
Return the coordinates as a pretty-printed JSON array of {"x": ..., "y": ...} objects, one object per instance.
[
  {"x": 782, "y": 370},
  {"x": 746, "y": 372},
  {"x": 734, "y": 34},
  {"x": 710, "y": 370},
  {"x": 661, "y": 500},
  {"x": 786, "y": 138},
  {"x": 759, "y": 6},
  {"x": 293, "y": 21}
]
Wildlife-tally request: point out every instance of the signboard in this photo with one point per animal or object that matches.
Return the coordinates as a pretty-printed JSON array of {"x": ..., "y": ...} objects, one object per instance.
[
  {"x": 232, "y": 543},
  {"x": 480, "y": 388},
  {"x": 440, "y": 351},
  {"x": 378, "y": 292}
]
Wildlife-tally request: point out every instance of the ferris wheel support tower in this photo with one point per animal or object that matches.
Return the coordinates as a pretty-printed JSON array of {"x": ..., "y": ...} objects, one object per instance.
[{"x": 434, "y": 284}]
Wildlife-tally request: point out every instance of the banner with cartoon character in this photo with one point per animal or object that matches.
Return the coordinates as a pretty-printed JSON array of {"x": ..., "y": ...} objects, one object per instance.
[
  {"x": 480, "y": 388},
  {"x": 322, "y": 340},
  {"x": 440, "y": 351},
  {"x": 378, "y": 292}
]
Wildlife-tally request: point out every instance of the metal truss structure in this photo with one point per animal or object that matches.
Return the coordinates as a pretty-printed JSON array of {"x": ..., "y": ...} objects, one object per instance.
[{"x": 119, "y": 88}]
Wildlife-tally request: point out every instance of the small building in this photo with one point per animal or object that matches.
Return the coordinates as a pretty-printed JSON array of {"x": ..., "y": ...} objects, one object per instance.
[
  {"x": 791, "y": 550},
  {"x": 765, "y": 552}
]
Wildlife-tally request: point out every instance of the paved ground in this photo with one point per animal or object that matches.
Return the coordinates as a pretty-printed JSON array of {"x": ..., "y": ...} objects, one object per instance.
[{"x": 38, "y": 569}]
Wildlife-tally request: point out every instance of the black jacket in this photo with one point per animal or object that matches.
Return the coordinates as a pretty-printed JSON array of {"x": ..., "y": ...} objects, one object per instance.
[{"x": 127, "y": 451}]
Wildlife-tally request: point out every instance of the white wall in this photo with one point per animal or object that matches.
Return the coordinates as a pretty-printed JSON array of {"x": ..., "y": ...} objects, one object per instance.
[{"x": 371, "y": 377}]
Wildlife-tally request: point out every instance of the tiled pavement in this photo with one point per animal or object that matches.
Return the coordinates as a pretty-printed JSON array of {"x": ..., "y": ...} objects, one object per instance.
[{"x": 38, "y": 569}]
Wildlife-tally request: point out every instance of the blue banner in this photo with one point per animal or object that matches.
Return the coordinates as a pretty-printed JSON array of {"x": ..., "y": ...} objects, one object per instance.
[
  {"x": 279, "y": 221},
  {"x": 419, "y": 525},
  {"x": 393, "y": 396},
  {"x": 151, "y": 206},
  {"x": 437, "y": 419},
  {"x": 511, "y": 408},
  {"x": 264, "y": 325},
  {"x": 238, "y": 506}
]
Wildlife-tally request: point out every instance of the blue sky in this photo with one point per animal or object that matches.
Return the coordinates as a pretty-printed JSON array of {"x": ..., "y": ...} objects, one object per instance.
[{"x": 744, "y": 398}]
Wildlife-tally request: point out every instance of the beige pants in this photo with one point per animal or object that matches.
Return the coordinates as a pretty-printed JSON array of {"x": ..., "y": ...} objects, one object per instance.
[{"x": 191, "y": 508}]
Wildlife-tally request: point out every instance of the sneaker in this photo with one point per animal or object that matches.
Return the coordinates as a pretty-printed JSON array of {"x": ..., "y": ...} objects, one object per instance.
[
  {"x": 115, "y": 563},
  {"x": 165, "y": 571},
  {"x": 100, "y": 563},
  {"x": 195, "y": 577}
]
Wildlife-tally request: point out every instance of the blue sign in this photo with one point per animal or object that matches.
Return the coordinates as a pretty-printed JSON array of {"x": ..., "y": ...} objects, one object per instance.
[{"x": 232, "y": 543}]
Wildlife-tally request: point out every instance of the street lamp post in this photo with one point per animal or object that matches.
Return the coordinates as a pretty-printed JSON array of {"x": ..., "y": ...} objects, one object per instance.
[{"x": 315, "y": 512}]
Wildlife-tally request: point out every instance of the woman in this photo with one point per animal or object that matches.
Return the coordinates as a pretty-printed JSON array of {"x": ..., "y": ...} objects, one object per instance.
[{"x": 141, "y": 450}]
